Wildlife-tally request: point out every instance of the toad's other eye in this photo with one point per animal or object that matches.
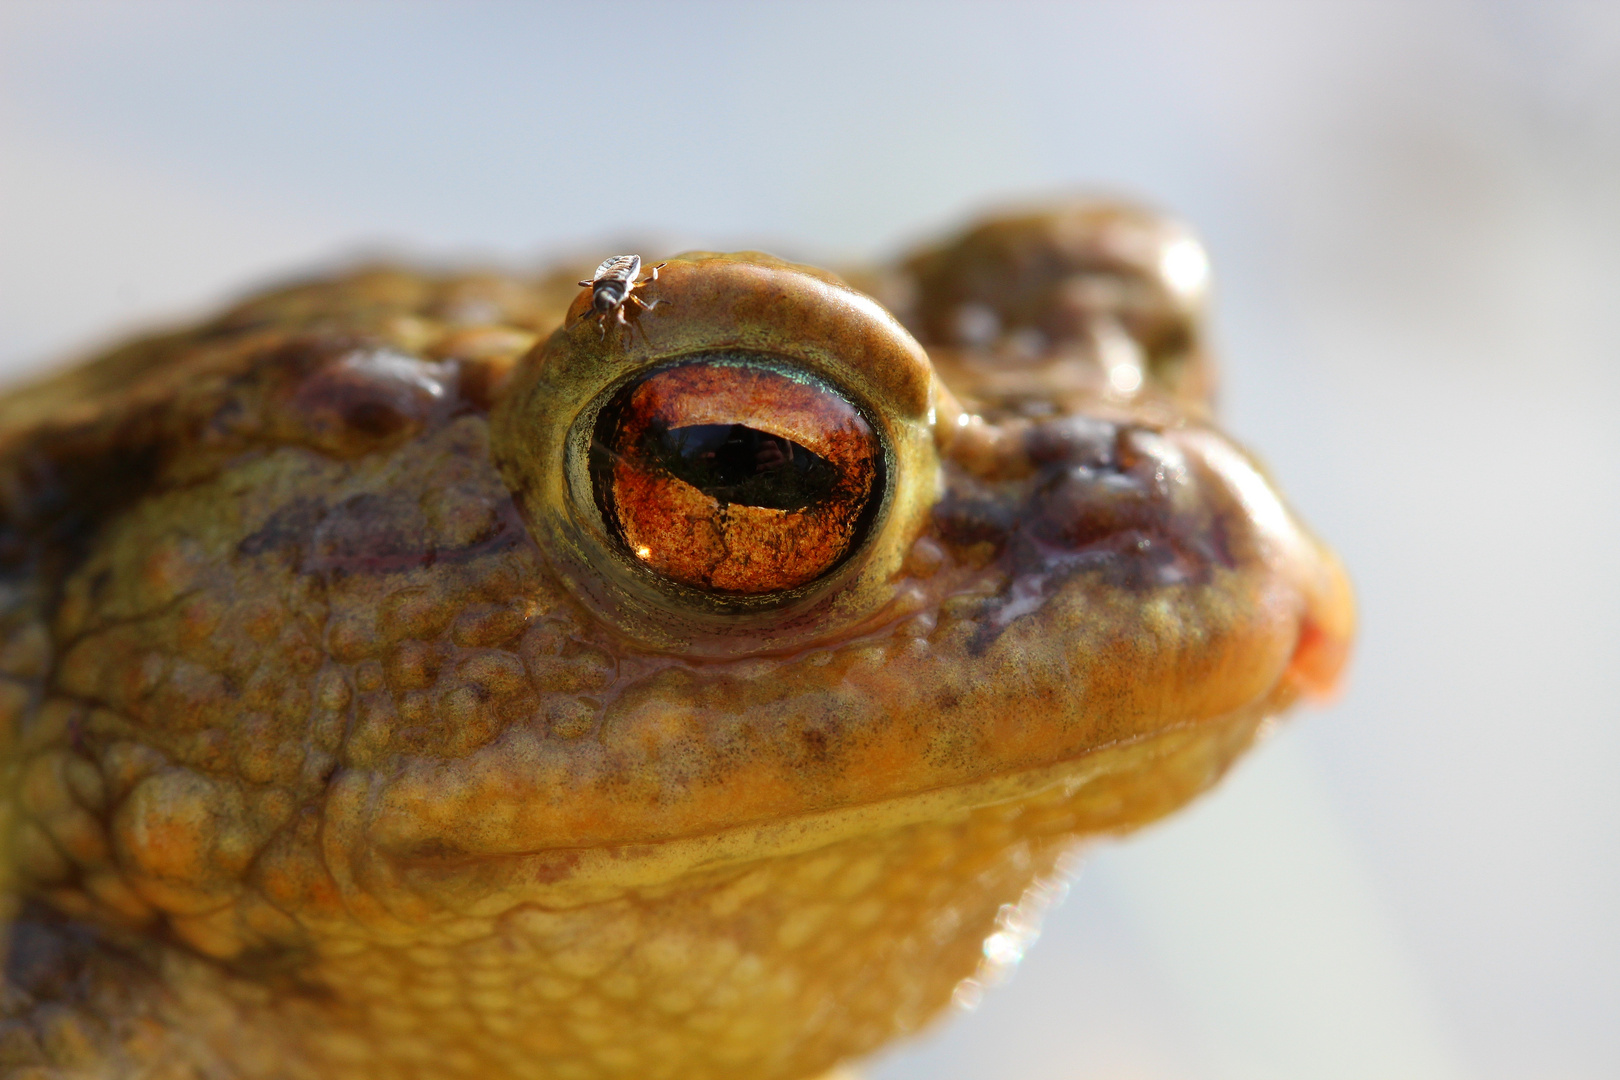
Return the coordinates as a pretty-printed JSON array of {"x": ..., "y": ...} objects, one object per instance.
[{"x": 735, "y": 475}]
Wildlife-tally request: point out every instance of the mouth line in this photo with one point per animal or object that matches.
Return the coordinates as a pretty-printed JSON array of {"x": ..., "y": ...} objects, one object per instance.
[{"x": 804, "y": 831}]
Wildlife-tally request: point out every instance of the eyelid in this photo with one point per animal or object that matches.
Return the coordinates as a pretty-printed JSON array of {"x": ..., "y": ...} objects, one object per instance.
[
  {"x": 716, "y": 386},
  {"x": 791, "y": 410}
]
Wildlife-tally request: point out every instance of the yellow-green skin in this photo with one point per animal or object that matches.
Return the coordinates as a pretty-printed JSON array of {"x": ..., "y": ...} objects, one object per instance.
[{"x": 333, "y": 744}]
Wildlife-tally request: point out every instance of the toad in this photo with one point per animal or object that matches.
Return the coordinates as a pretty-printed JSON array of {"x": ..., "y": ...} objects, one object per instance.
[{"x": 418, "y": 675}]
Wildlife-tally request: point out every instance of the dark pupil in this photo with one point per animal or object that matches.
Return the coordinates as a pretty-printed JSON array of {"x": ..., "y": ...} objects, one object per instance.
[{"x": 734, "y": 463}]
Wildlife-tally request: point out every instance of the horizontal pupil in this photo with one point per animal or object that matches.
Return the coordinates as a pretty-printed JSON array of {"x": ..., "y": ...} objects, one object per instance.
[{"x": 734, "y": 463}]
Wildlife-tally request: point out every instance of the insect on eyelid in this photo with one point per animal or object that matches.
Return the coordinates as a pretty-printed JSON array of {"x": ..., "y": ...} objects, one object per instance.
[{"x": 614, "y": 284}]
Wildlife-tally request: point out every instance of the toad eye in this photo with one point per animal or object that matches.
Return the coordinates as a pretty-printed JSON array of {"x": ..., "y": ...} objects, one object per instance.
[
  {"x": 741, "y": 469},
  {"x": 735, "y": 475}
]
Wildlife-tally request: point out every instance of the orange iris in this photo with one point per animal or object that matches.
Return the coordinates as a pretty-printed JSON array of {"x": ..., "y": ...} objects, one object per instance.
[{"x": 735, "y": 476}]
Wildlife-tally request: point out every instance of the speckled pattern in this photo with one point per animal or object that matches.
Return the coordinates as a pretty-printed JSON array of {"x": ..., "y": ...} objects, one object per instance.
[{"x": 320, "y": 760}]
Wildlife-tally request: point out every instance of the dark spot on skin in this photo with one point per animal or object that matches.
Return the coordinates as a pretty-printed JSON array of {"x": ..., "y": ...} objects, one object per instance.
[
  {"x": 1104, "y": 499},
  {"x": 815, "y": 743},
  {"x": 554, "y": 866},
  {"x": 288, "y": 530},
  {"x": 371, "y": 533},
  {"x": 969, "y": 516}
]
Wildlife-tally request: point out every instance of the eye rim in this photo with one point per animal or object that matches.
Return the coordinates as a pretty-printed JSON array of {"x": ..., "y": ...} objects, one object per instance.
[
  {"x": 583, "y": 492},
  {"x": 710, "y": 302}
]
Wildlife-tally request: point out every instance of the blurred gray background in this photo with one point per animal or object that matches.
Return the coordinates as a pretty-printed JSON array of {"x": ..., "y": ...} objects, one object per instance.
[{"x": 1414, "y": 213}]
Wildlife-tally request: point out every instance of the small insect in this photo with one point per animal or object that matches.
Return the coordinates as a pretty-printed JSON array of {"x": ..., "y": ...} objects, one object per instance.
[{"x": 613, "y": 284}]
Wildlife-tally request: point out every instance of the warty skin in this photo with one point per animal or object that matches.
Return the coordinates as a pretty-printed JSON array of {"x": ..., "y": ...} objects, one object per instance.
[{"x": 346, "y": 734}]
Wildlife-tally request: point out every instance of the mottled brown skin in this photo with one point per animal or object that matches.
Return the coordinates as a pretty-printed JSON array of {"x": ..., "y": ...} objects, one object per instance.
[{"x": 339, "y": 740}]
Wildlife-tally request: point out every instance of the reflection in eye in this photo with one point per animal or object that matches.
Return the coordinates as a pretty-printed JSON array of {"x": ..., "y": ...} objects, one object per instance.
[
  {"x": 732, "y": 476},
  {"x": 734, "y": 463}
]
